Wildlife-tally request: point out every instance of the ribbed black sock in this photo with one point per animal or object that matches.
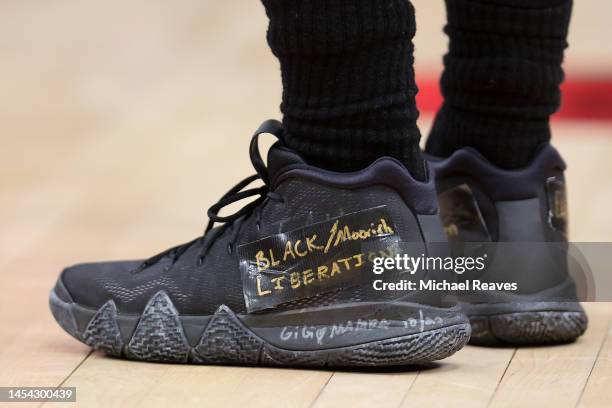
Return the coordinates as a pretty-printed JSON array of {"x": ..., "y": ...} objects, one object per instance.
[
  {"x": 348, "y": 80},
  {"x": 501, "y": 78}
]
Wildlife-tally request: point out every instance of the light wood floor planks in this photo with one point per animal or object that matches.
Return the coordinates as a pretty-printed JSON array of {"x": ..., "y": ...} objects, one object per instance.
[
  {"x": 554, "y": 376},
  {"x": 596, "y": 393},
  {"x": 120, "y": 123}
]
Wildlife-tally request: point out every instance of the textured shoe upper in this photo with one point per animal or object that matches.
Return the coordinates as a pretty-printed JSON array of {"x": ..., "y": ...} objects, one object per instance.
[{"x": 303, "y": 195}]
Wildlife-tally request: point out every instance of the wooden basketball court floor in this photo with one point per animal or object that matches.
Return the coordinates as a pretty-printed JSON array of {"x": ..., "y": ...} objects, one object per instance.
[{"x": 117, "y": 131}]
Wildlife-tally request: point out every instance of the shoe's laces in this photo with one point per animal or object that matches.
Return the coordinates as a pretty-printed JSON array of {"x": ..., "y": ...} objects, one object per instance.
[{"x": 237, "y": 193}]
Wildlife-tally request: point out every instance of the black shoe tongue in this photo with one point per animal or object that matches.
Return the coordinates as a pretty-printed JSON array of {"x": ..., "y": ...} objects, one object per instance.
[{"x": 279, "y": 157}]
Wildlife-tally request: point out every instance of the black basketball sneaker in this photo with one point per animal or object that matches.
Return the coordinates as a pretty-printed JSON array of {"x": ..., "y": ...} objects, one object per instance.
[
  {"x": 523, "y": 213},
  {"x": 286, "y": 280}
]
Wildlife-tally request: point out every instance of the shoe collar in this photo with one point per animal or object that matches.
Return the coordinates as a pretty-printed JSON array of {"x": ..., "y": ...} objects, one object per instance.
[
  {"x": 502, "y": 184},
  {"x": 285, "y": 163}
]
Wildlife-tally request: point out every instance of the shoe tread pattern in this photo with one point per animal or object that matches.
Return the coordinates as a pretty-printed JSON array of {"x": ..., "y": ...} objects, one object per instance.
[
  {"x": 159, "y": 336},
  {"x": 528, "y": 328},
  {"x": 102, "y": 332},
  {"x": 225, "y": 341}
]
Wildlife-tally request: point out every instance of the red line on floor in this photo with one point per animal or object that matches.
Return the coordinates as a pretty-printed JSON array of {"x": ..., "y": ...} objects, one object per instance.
[{"x": 582, "y": 98}]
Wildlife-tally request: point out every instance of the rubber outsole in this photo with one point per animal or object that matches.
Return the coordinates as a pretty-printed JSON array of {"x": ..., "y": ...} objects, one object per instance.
[
  {"x": 533, "y": 328},
  {"x": 159, "y": 336}
]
